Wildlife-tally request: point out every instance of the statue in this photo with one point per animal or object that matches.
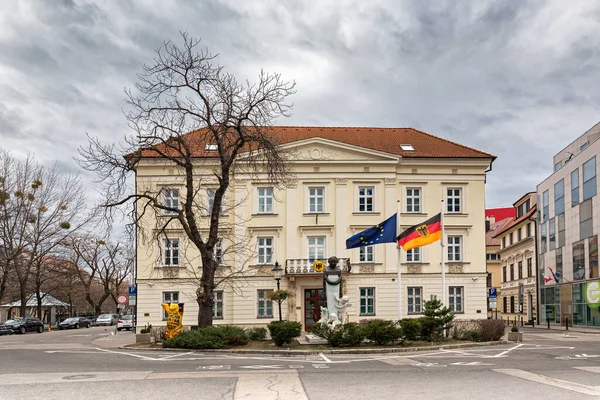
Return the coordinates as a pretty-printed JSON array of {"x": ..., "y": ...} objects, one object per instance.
[
  {"x": 174, "y": 318},
  {"x": 342, "y": 304},
  {"x": 332, "y": 285}
]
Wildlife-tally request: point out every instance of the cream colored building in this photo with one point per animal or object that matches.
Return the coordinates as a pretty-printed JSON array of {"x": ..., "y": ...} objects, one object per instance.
[
  {"x": 345, "y": 180},
  {"x": 494, "y": 264},
  {"x": 518, "y": 261}
]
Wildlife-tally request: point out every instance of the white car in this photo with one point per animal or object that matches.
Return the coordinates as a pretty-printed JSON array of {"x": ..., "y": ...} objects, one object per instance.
[
  {"x": 107, "y": 319},
  {"x": 125, "y": 322}
]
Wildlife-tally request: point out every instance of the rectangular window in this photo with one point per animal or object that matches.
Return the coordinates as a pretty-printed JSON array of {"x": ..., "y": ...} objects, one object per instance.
[
  {"x": 512, "y": 272},
  {"x": 560, "y": 240},
  {"x": 413, "y": 255},
  {"x": 579, "y": 261},
  {"x": 492, "y": 257},
  {"x": 265, "y": 250},
  {"x": 575, "y": 187},
  {"x": 454, "y": 253},
  {"x": 505, "y": 305},
  {"x": 551, "y": 234},
  {"x": 414, "y": 300},
  {"x": 218, "y": 304},
  {"x": 456, "y": 299},
  {"x": 488, "y": 280},
  {"x": 504, "y": 274},
  {"x": 529, "y": 229},
  {"x": 365, "y": 199},
  {"x": 265, "y": 306},
  {"x": 171, "y": 253},
  {"x": 211, "y": 201},
  {"x": 584, "y": 146},
  {"x": 559, "y": 197},
  {"x": 265, "y": 200},
  {"x": 504, "y": 242},
  {"x": 593, "y": 256},
  {"x": 413, "y": 200},
  {"x": 559, "y": 261},
  {"x": 529, "y": 267},
  {"x": 171, "y": 199},
  {"x": 453, "y": 197},
  {"x": 367, "y": 301},
  {"x": 316, "y": 200},
  {"x": 589, "y": 178},
  {"x": 520, "y": 269},
  {"x": 169, "y": 298},
  {"x": 316, "y": 248},
  {"x": 218, "y": 252},
  {"x": 543, "y": 238},
  {"x": 546, "y": 212},
  {"x": 523, "y": 208},
  {"x": 366, "y": 254},
  {"x": 586, "y": 228},
  {"x": 557, "y": 166},
  {"x": 519, "y": 235},
  {"x": 512, "y": 304}
]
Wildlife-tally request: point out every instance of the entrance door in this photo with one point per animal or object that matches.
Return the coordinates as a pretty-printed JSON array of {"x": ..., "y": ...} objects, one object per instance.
[{"x": 314, "y": 299}]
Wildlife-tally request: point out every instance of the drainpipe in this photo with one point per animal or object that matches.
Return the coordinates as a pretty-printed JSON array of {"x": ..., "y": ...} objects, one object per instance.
[{"x": 537, "y": 271}]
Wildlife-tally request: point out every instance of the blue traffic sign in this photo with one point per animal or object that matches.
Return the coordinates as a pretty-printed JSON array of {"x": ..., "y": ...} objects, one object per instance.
[
  {"x": 492, "y": 294},
  {"x": 132, "y": 291}
]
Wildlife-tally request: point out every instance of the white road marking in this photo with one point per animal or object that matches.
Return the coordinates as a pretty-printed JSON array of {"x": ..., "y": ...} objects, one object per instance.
[
  {"x": 470, "y": 363},
  {"x": 324, "y": 357},
  {"x": 507, "y": 351},
  {"x": 429, "y": 365},
  {"x": 322, "y": 366},
  {"x": 595, "y": 370},
  {"x": 546, "y": 380},
  {"x": 262, "y": 366},
  {"x": 128, "y": 354},
  {"x": 177, "y": 355}
]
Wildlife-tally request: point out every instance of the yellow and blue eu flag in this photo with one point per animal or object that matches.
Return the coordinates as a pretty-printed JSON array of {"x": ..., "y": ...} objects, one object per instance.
[{"x": 384, "y": 232}]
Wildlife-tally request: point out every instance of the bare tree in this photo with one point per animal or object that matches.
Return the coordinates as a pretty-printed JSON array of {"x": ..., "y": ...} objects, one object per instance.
[
  {"x": 187, "y": 112},
  {"x": 39, "y": 209}
]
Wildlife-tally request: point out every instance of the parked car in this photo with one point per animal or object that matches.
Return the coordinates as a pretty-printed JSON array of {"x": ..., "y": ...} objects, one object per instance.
[
  {"x": 107, "y": 319},
  {"x": 22, "y": 325},
  {"x": 74, "y": 323},
  {"x": 125, "y": 322},
  {"x": 5, "y": 330}
]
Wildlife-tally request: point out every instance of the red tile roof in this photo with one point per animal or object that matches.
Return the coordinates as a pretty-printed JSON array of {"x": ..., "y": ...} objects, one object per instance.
[
  {"x": 516, "y": 221},
  {"x": 490, "y": 239},
  {"x": 500, "y": 213},
  {"x": 387, "y": 140}
]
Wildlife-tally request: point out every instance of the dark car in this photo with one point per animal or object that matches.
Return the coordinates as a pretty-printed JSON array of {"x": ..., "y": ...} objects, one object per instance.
[
  {"x": 74, "y": 323},
  {"x": 5, "y": 330},
  {"x": 22, "y": 325}
]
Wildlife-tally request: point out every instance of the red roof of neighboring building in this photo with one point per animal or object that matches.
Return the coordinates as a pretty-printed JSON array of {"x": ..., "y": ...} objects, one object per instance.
[
  {"x": 490, "y": 236},
  {"x": 387, "y": 140},
  {"x": 516, "y": 221},
  {"x": 500, "y": 213}
]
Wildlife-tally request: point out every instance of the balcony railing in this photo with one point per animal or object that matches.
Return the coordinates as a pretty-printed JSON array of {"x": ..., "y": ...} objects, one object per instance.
[{"x": 304, "y": 266}]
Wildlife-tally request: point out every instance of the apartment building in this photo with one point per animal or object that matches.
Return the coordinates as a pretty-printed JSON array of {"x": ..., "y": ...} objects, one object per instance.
[
  {"x": 493, "y": 263},
  {"x": 345, "y": 180}
]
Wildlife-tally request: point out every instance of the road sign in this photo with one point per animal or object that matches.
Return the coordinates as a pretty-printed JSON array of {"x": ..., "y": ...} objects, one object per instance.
[
  {"x": 492, "y": 293},
  {"x": 132, "y": 300},
  {"x": 521, "y": 308},
  {"x": 120, "y": 305},
  {"x": 132, "y": 291},
  {"x": 493, "y": 304},
  {"x": 122, "y": 299}
]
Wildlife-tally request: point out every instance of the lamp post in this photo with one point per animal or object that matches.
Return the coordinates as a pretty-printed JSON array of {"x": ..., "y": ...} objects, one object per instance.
[{"x": 278, "y": 272}]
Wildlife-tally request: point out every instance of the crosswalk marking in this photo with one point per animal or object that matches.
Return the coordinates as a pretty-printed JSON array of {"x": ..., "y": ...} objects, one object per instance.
[{"x": 546, "y": 380}]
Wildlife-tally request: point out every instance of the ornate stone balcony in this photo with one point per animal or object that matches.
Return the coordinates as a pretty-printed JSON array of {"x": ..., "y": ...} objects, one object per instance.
[{"x": 304, "y": 266}]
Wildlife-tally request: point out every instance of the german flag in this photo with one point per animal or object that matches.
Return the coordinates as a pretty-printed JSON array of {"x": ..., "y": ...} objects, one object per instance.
[{"x": 421, "y": 234}]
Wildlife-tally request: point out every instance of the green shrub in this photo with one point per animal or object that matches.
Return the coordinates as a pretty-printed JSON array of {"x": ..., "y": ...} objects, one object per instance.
[
  {"x": 349, "y": 334},
  {"x": 146, "y": 329},
  {"x": 514, "y": 328},
  {"x": 232, "y": 335},
  {"x": 381, "y": 331},
  {"x": 491, "y": 329},
  {"x": 257, "y": 333},
  {"x": 463, "y": 329},
  {"x": 411, "y": 328},
  {"x": 436, "y": 320},
  {"x": 284, "y": 332},
  {"x": 204, "y": 338}
]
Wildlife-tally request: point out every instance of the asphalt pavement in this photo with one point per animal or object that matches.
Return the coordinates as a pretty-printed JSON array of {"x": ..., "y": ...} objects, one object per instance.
[{"x": 91, "y": 364}]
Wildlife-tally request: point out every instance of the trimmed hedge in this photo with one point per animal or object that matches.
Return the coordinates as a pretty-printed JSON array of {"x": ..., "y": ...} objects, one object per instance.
[
  {"x": 381, "y": 331},
  {"x": 213, "y": 337},
  {"x": 257, "y": 333},
  {"x": 284, "y": 332},
  {"x": 411, "y": 328}
]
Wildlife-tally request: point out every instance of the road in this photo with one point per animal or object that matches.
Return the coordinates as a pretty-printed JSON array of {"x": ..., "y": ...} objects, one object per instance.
[{"x": 87, "y": 364}]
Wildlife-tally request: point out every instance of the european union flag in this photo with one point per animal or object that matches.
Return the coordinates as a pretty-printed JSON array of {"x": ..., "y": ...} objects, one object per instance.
[{"x": 384, "y": 232}]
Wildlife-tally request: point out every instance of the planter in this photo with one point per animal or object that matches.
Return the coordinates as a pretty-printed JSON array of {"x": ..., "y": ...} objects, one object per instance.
[
  {"x": 512, "y": 336},
  {"x": 143, "y": 338}
]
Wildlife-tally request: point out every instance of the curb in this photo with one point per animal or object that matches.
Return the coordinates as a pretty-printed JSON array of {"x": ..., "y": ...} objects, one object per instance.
[{"x": 316, "y": 352}]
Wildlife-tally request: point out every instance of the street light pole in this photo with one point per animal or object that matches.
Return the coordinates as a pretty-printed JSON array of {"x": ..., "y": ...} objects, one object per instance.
[{"x": 278, "y": 274}]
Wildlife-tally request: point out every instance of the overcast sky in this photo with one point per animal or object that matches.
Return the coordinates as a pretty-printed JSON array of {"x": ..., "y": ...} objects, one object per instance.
[{"x": 518, "y": 79}]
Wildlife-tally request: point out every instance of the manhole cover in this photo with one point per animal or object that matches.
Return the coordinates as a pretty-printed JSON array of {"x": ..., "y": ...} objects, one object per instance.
[{"x": 76, "y": 377}]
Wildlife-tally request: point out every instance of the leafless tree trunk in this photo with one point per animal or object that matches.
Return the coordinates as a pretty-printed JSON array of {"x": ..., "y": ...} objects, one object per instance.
[{"x": 189, "y": 113}]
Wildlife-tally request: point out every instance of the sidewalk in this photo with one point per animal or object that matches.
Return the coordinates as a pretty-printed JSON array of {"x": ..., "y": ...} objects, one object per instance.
[
  {"x": 115, "y": 341},
  {"x": 556, "y": 328}
]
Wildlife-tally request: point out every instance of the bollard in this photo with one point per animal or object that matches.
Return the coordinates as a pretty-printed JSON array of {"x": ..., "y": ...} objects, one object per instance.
[
  {"x": 548, "y": 323},
  {"x": 521, "y": 321},
  {"x": 567, "y": 323}
]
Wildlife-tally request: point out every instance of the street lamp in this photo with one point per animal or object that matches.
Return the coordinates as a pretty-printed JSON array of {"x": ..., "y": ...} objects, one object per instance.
[{"x": 278, "y": 273}]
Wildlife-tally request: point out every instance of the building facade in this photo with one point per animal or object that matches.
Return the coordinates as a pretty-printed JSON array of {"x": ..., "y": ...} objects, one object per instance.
[
  {"x": 345, "y": 180},
  {"x": 568, "y": 235},
  {"x": 493, "y": 263},
  {"x": 518, "y": 262}
]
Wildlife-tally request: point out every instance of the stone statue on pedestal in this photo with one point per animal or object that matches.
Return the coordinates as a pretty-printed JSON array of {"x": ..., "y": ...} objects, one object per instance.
[{"x": 332, "y": 315}]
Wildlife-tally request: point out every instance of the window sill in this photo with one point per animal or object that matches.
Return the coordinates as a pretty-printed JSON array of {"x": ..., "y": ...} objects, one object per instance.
[
  {"x": 169, "y": 266},
  {"x": 415, "y": 313},
  {"x": 366, "y": 213},
  {"x": 265, "y": 215},
  {"x": 415, "y": 263},
  {"x": 407, "y": 214},
  {"x": 217, "y": 318},
  {"x": 458, "y": 262},
  {"x": 455, "y": 214},
  {"x": 315, "y": 213},
  {"x": 367, "y": 315},
  {"x": 264, "y": 317}
]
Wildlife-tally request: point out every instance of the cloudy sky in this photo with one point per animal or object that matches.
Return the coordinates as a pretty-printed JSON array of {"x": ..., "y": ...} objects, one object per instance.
[{"x": 518, "y": 78}]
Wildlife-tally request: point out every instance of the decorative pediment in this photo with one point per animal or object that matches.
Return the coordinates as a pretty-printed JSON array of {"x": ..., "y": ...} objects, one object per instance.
[{"x": 318, "y": 149}]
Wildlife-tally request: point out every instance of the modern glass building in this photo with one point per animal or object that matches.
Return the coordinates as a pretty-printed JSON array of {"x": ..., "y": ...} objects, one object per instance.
[{"x": 568, "y": 222}]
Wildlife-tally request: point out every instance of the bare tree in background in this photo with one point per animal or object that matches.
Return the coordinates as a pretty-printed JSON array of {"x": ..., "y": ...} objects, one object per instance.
[
  {"x": 39, "y": 209},
  {"x": 185, "y": 90}
]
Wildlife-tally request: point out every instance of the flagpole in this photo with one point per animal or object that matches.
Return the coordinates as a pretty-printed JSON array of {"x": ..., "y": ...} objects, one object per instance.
[
  {"x": 443, "y": 257},
  {"x": 399, "y": 262}
]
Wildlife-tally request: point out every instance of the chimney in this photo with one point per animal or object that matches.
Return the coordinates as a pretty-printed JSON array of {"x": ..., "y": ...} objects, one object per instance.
[{"x": 487, "y": 224}]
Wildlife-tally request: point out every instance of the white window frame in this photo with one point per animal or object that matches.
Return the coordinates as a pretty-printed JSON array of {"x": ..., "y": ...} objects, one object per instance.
[
  {"x": 454, "y": 242},
  {"x": 366, "y": 201},
  {"x": 264, "y": 307},
  {"x": 456, "y": 298},
  {"x": 366, "y": 254},
  {"x": 317, "y": 249},
  {"x": 413, "y": 255},
  {"x": 366, "y": 294},
  {"x": 167, "y": 297},
  {"x": 313, "y": 194},
  {"x": 453, "y": 200},
  {"x": 218, "y": 252},
  {"x": 265, "y": 200},
  {"x": 411, "y": 206},
  {"x": 218, "y": 299},
  {"x": 264, "y": 246},
  {"x": 171, "y": 253},
  {"x": 210, "y": 195},
  {"x": 415, "y": 293},
  {"x": 170, "y": 199}
]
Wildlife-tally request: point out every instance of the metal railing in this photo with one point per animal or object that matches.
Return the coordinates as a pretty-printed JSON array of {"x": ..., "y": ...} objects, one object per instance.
[{"x": 304, "y": 266}]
